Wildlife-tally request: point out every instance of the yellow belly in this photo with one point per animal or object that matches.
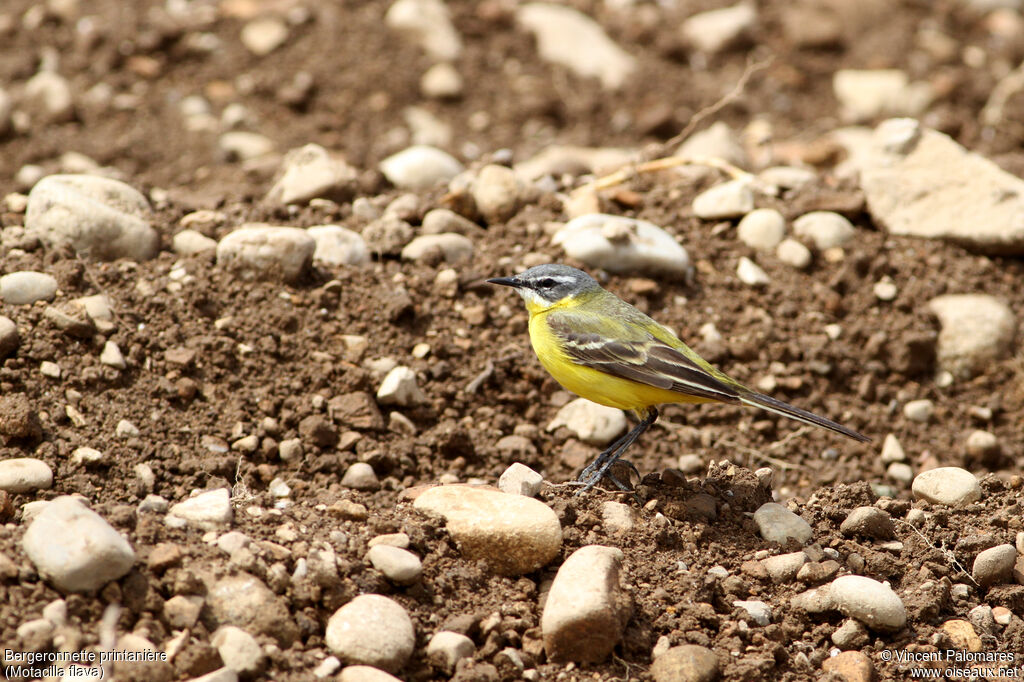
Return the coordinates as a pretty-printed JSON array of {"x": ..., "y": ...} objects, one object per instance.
[{"x": 594, "y": 384}]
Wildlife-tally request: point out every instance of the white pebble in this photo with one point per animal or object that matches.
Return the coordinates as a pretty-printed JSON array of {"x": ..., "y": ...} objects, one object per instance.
[
  {"x": 892, "y": 451},
  {"x": 718, "y": 29},
  {"x": 869, "y": 601},
  {"x": 24, "y": 474},
  {"x": 84, "y": 456},
  {"x": 400, "y": 387},
  {"x": 263, "y": 35},
  {"x": 730, "y": 199},
  {"x": 360, "y": 476},
  {"x": 209, "y": 511},
  {"x": 919, "y": 410},
  {"x": 446, "y": 648},
  {"x": 513, "y": 534},
  {"x": 441, "y": 81},
  {"x": 519, "y": 479},
  {"x": 762, "y": 229},
  {"x": 793, "y": 253},
  {"x": 112, "y": 357},
  {"x": 420, "y": 167},
  {"x": 75, "y": 548},
  {"x": 758, "y": 611},
  {"x": 27, "y": 287},
  {"x": 994, "y": 565},
  {"x": 751, "y": 274},
  {"x": 453, "y": 248},
  {"x": 265, "y": 251},
  {"x": 238, "y": 649},
  {"x": 371, "y": 630},
  {"x": 189, "y": 242},
  {"x": 825, "y": 229},
  {"x": 586, "y": 596},
  {"x": 336, "y": 245},
  {"x": 949, "y": 486},
  {"x": 398, "y": 565},
  {"x": 885, "y": 290},
  {"x": 623, "y": 245},
  {"x": 590, "y": 422},
  {"x": 977, "y": 331},
  {"x": 311, "y": 172},
  {"x": 426, "y": 23}
]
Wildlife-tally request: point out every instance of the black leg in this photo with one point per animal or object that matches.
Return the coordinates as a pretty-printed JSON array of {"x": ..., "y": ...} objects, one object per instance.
[{"x": 598, "y": 469}]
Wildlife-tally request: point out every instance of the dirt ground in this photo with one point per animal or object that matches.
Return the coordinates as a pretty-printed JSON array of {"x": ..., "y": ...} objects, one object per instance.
[{"x": 187, "y": 384}]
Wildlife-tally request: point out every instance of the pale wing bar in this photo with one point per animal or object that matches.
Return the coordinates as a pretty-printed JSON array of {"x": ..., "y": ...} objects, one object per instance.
[{"x": 647, "y": 362}]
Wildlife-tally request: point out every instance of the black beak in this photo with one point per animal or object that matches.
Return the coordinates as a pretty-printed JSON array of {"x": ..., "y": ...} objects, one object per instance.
[{"x": 505, "y": 281}]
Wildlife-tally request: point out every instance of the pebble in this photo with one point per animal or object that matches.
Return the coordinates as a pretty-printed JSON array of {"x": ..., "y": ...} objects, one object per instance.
[
  {"x": 792, "y": 252},
  {"x": 210, "y": 510},
  {"x": 786, "y": 177},
  {"x": 426, "y": 23},
  {"x": 849, "y": 666},
  {"x": 112, "y": 356},
  {"x": 850, "y": 635},
  {"x": 10, "y": 338},
  {"x": 719, "y": 29},
  {"x": 586, "y": 610},
  {"x": 982, "y": 445},
  {"x": 623, "y": 245},
  {"x": 125, "y": 429},
  {"x": 751, "y": 274},
  {"x": 49, "y": 369},
  {"x": 26, "y": 287},
  {"x": 958, "y": 196},
  {"x": 238, "y": 650},
  {"x": 446, "y": 648},
  {"x": 218, "y": 675},
  {"x": 513, "y": 534},
  {"x": 778, "y": 524},
  {"x": 99, "y": 217},
  {"x": 365, "y": 673},
  {"x": 400, "y": 388},
  {"x": 242, "y": 145},
  {"x": 872, "y": 603},
  {"x": 590, "y": 422},
  {"x": 496, "y": 191},
  {"x": 246, "y": 602},
  {"x": 310, "y": 172},
  {"x": 948, "y": 486},
  {"x": 873, "y": 93},
  {"x": 420, "y": 167},
  {"x": 181, "y": 611},
  {"x": 441, "y": 220},
  {"x": 570, "y": 38},
  {"x": 892, "y": 451},
  {"x": 387, "y": 235},
  {"x": 730, "y": 199},
  {"x": 371, "y": 630},
  {"x": 762, "y": 229},
  {"x": 870, "y": 522},
  {"x": 977, "y": 331},
  {"x": 398, "y": 565},
  {"x": 994, "y": 566},
  {"x": 686, "y": 663},
  {"x": 825, "y": 229},
  {"x": 617, "y": 517},
  {"x": 263, "y": 35},
  {"x": 86, "y": 456},
  {"x": 901, "y": 472},
  {"x": 784, "y": 567},
  {"x": 75, "y": 548},
  {"x": 758, "y": 611},
  {"x": 717, "y": 141},
  {"x": 519, "y": 479},
  {"x": 451, "y": 247},
  {"x": 190, "y": 242},
  {"x": 290, "y": 450},
  {"x": 441, "y": 81},
  {"x": 360, "y": 476},
  {"x": 24, "y": 475},
  {"x": 48, "y": 95},
  {"x": 885, "y": 290},
  {"x": 267, "y": 251},
  {"x": 919, "y": 411},
  {"x": 336, "y": 245}
]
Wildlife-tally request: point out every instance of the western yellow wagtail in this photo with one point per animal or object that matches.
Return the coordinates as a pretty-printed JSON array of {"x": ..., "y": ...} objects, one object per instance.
[{"x": 601, "y": 348}]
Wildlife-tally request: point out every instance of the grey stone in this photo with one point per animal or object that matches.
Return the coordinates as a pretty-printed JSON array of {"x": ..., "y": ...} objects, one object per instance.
[
  {"x": 336, "y": 245},
  {"x": 948, "y": 486},
  {"x": 310, "y": 172},
  {"x": 623, "y": 245},
  {"x": 420, "y": 167},
  {"x": 267, "y": 251},
  {"x": 371, "y": 630},
  {"x": 24, "y": 475},
  {"x": 869, "y": 601},
  {"x": 398, "y": 565},
  {"x": 26, "y": 287},
  {"x": 778, "y": 524},
  {"x": 977, "y": 331}
]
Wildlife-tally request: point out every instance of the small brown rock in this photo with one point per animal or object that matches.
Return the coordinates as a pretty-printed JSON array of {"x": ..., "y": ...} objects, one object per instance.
[
  {"x": 163, "y": 556},
  {"x": 687, "y": 663},
  {"x": 851, "y": 666},
  {"x": 356, "y": 410}
]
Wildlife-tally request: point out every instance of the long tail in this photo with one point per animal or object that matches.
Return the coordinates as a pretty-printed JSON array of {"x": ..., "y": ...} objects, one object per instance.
[{"x": 769, "y": 403}]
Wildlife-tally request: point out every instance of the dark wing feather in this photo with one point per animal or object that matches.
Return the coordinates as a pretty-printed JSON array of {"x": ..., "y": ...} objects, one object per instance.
[{"x": 646, "y": 361}]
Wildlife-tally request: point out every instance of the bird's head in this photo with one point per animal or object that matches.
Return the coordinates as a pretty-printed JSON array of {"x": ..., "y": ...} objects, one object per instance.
[{"x": 545, "y": 286}]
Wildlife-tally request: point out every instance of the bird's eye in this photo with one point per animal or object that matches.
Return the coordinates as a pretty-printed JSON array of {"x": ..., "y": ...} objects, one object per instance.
[{"x": 546, "y": 283}]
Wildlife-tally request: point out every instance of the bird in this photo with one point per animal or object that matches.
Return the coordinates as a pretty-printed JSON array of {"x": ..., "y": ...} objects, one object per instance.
[{"x": 605, "y": 350}]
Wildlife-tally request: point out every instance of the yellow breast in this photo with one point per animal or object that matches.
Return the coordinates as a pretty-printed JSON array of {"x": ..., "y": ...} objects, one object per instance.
[{"x": 590, "y": 383}]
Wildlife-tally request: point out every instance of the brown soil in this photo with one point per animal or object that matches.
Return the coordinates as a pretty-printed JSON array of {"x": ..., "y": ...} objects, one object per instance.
[{"x": 364, "y": 77}]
